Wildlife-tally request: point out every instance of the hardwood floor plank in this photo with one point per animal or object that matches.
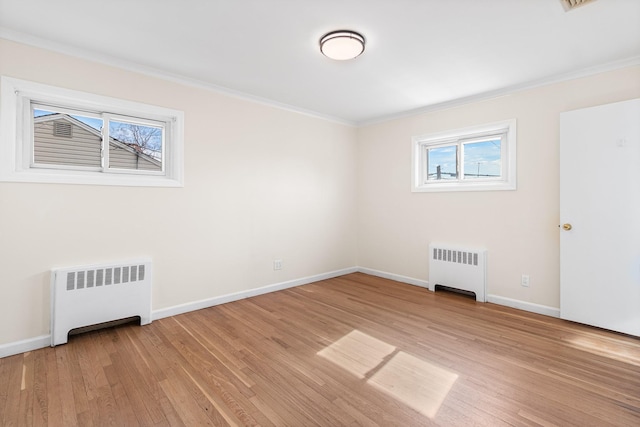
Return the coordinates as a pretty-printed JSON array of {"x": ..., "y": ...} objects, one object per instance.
[
  {"x": 140, "y": 384},
  {"x": 125, "y": 411},
  {"x": 52, "y": 392},
  {"x": 26, "y": 392},
  {"x": 90, "y": 366},
  {"x": 353, "y": 350},
  {"x": 211, "y": 380},
  {"x": 39, "y": 387},
  {"x": 211, "y": 351},
  {"x": 78, "y": 381},
  {"x": 190, "y": 412},
  {"x": 106, "y": 410},
  {"x": 66, "y": 387},
  {"x": 129, "y": 393}
]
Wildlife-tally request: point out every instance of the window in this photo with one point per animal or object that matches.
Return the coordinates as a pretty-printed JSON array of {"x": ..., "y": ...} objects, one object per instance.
[
  {"x": 470, "y": 159},
  {"x": 57, "y": 135}
]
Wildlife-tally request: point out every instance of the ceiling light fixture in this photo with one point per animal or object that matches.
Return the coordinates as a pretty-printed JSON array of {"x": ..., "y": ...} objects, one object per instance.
[{"x": 342, "y": 45}]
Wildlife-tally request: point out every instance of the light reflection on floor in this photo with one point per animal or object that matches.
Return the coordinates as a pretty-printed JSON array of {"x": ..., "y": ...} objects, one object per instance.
[
  {"x": 357, "y": 352},
  {"x": 419, "y": 384},
  {"x": 608, "y": 348}
]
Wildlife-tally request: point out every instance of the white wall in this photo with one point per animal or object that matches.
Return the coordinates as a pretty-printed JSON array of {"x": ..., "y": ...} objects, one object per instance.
[
  {"x": 519, "y": 228},
  {"x": 263, "y": 183},
  {"x": 260, "y": 183}
]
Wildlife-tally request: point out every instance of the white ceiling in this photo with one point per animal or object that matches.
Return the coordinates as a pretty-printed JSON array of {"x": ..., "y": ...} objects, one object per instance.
[{"x": 419, "y": 53}]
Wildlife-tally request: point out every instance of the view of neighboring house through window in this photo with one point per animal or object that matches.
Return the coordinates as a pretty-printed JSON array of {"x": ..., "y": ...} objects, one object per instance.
[
  {"x": 51, "y": 134},
  {"x": 70, "y": 140},
  {"x": 145, "y": 139},
  {"x": 478, "y": 158}
]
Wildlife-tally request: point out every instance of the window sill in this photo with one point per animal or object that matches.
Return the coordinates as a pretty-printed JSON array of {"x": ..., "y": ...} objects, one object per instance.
[
  {"x": 464, "y": 186},
  {"x": 48, "y": 176}
]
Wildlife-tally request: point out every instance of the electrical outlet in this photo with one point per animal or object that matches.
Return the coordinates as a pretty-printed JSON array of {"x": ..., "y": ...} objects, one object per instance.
[
  {"x": 277, "y": 264},
  {"x": 525, "y": 280}
]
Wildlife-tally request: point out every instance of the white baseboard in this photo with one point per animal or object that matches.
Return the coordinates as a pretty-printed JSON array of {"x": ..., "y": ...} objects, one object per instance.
[
  {"x": 496, "y": 299},
  {"x": 23, "y": 346},
  {"x": 210, "y": 302},
  {"x": 396, "y": 277},
  {"x": 524, "y": 305},
  {"x": 509, "y": 302},
  {"x": 42, "y": 341},
  {"x": 12, "y": 348}
]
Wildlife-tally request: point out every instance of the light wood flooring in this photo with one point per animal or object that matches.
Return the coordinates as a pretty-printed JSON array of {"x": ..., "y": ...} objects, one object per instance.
[{"x": 354, "y": 350}]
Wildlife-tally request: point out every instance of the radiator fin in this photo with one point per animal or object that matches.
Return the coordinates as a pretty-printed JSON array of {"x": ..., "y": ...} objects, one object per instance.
[
  {"x": 460, "y": 257},
  {"x": 76, "y": 280}
]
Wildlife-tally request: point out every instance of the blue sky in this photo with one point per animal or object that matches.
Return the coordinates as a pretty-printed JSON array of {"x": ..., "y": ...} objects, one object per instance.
[
  {"x": 481, "y": 159},
  {"x": 94, "y": 123},
  {"x": 445, "y": 157}
]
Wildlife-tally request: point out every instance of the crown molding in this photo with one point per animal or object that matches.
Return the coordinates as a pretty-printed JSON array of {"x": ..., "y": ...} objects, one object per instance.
[
  {"x": 499, "y": 93},
  {"x": 38, "y": 42}
]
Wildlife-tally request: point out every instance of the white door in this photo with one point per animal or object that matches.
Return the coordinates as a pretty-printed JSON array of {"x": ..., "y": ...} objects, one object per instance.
[{"x": 600, "y": 203}]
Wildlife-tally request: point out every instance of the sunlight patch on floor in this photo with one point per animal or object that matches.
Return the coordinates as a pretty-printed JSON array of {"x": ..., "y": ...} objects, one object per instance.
[
  {"x": 357, "y": 352},
  {"x": 417, "y": 383},
  {"x": 622, "y": 352}
]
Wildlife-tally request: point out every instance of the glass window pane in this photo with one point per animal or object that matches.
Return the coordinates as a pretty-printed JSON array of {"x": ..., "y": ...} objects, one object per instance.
[
  {"x": 442, "y": 163},
  {"x": 482, "y": 159},
  {"x": 66, "y": 139},
  {"x": 135, "y": 146}
]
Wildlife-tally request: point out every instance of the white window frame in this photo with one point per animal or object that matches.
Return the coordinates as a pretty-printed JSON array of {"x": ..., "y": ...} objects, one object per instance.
[
  {"x": 458, "y": 137},
  {"x": 16, "y": 136}
]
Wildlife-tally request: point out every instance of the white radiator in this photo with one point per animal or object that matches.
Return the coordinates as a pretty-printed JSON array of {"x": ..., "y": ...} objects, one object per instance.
[
  {"x": 93, "y": 294},
  {"x": 458, "y": 268}
]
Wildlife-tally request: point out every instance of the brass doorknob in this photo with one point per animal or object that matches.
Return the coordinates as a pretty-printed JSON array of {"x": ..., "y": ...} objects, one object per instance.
[{"x": 566, "y": 227}]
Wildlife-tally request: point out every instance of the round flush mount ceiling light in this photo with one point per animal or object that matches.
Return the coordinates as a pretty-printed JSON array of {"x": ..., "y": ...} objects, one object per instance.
[{"x": 342, "y": 45}]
